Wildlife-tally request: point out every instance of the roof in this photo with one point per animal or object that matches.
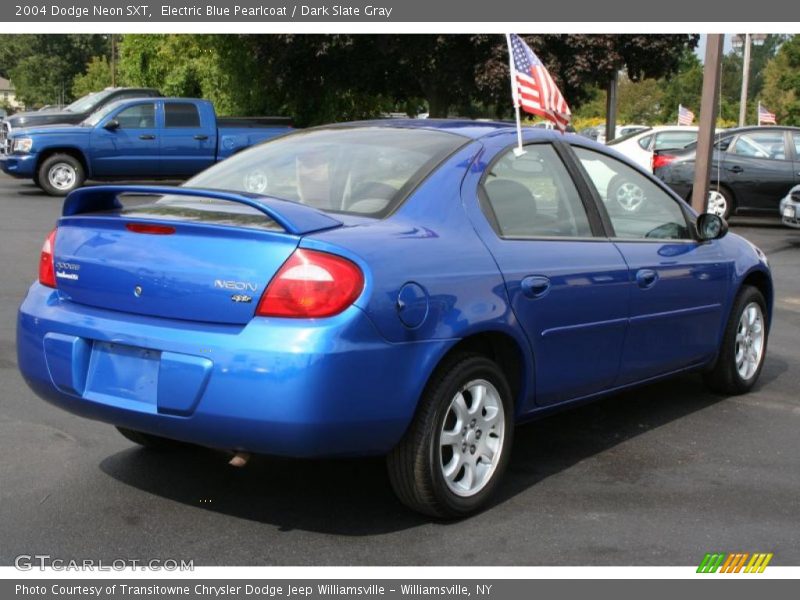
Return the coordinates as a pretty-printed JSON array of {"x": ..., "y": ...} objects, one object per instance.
[{"x": 464, "y": 127}]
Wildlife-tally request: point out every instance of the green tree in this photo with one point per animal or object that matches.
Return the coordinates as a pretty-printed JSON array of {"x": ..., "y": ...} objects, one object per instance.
[
  {"x": 43, "y": 66},
  {"x": 781, "y": 91},
  {"x": 96, "y": 77}
]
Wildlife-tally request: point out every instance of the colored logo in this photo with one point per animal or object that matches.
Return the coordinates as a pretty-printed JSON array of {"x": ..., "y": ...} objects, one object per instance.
[{"x": 736, "y": 562}]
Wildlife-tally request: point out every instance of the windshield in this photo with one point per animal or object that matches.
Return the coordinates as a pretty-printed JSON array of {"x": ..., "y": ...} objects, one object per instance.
[
  {"x": 88, "y": 102},
  {"x": 362, "y": 171},
  {"x": 629, "y": 135}
]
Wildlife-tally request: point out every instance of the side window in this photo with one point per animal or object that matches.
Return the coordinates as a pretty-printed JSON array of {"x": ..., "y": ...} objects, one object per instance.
[
  {"x": 796, "y": 138},
  {"x": 760, "y": 144},
  {"x": 637, "y": 207},
  {"x": 181, "y": 114},
  {"x": 139, "y": 116},
  {"x": 533, "y": 195},
  {"x": 670, "y": 140},
  {"x": 644, "y": 143}
]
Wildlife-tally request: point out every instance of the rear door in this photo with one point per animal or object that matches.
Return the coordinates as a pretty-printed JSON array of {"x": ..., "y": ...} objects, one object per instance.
[
  {"x": 130, "y": 150},
  {"x": 188, "y": 140},
  {"x": 759, "y": 167},
  {"x": 677, "y": 285},
  {"x": 567, "y": 284}
]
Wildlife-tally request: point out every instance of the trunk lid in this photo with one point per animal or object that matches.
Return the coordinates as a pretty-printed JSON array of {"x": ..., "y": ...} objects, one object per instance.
[{"x": 193, "y": 255}]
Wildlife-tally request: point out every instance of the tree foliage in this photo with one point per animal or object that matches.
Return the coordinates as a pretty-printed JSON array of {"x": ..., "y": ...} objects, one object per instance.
[
  {"x": 781, "y": 92},
  {"x": 43, "y": 66}
]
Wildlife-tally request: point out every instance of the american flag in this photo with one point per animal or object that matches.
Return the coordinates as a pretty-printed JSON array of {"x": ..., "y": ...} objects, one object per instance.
[
  {"x": 535, "y": 90},
  {"x": 685, "y": 116},
  {"x": 764, "y": 116}
]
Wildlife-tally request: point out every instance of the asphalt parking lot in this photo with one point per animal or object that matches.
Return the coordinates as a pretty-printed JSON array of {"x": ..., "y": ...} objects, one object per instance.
[{"x": 656, "y": 476}]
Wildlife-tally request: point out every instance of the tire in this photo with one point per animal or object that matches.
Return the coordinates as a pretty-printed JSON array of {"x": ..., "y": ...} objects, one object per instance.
[
  {"x": 152, "y": 442},
  {"x": 60, "y": 174},
  {"x": 727, "y": 376},
  {"x": 416, "y": 465},
  {"x": 720, "y": 202},
  {"x": 625, "y": 196}
]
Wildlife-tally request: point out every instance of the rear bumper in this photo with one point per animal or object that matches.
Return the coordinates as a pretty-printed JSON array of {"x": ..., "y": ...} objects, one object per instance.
[
  {"x": 276, "y": 386},
  {"x": 18, "y": 165}
]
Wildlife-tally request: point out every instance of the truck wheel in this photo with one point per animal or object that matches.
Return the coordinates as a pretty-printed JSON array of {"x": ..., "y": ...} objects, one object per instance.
[
  {"x": 453, "y": 455},
  {"x": 744, "y": 345},
  {"x": 153, "y": 442},
  {"x": 60, "y": 174}
]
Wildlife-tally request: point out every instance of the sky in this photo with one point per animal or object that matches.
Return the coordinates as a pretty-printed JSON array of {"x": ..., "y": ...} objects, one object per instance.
[{"x": 701, "y": 47}]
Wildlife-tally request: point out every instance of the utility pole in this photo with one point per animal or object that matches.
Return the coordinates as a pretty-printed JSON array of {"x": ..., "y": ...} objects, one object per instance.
[
  {"x": 708, "y": 120},
  {"x": 611, "y": 107},
  {"x": 745, "y": 80},
  {"x": 113, "y": 60}
]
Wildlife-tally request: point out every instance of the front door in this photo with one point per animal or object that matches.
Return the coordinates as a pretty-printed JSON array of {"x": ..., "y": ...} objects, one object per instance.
[
  {"x": 677, "y": 285},
  {"x": 759, "y": 169},
  {"x": 130, "y": 149}
]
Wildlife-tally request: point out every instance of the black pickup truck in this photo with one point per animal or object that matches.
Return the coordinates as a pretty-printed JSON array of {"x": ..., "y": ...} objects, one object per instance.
[{"x": 70, "y": 115}]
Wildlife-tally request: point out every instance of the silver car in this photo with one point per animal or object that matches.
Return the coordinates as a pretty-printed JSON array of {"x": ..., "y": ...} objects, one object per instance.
[{"x": 790, "y": 208}]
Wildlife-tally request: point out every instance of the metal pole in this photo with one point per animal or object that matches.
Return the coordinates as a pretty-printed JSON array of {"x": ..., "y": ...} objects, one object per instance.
[
  {"x": 519, "y": 150},
  {"x": 745, "y": 80},
  {"x": 708, "y": 119},
  {"x": 113, "y": 61},
  {"x": 611, "y": 108}
]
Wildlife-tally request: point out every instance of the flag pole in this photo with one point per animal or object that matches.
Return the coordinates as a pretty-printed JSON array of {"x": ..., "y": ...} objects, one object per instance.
[{"x": 518, "y": 151}]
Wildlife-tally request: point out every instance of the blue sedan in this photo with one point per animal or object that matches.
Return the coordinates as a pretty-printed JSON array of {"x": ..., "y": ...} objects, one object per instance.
[{"x": 403, "y": 288}]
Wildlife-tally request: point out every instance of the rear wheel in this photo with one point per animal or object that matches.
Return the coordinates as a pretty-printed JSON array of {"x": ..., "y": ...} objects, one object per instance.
[
  {"x": 150, "y": 441},
  {"x": 744, "y": 345},
  {"x": 453, "y": 455},
  {"x": 59, "y": 174},
  {"x": 720, "y": 202}
]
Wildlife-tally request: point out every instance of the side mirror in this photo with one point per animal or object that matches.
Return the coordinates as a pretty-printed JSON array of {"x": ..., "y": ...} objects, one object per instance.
[
  {"x": 711, "y": 227},
  {"x": 112, "y": 125}
]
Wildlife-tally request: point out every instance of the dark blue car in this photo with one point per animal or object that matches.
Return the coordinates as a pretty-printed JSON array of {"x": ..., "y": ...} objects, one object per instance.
[{"x": 407, "y": 288}]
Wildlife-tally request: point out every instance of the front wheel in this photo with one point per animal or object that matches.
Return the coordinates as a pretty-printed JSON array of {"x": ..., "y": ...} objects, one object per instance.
[
  {"x": 744, "y": 345},
  {"x": 720, "y": 202},
  {"x": 453, "y": 455},
  {"x": 59, "y": 174}
]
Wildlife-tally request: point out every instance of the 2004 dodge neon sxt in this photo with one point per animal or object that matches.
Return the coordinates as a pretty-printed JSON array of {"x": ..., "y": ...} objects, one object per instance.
[{"x": 407, "y": 288}]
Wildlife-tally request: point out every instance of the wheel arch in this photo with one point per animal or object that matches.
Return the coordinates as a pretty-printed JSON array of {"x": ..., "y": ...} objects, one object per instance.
[
  {"x": 760, "y": 280},
  {"x": 73, "y": 151},
  {"x": 509, "y": 352}
]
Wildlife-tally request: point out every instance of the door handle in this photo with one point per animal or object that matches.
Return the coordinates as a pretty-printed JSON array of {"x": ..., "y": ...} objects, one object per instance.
[
  {"x": 201, "y": 137},
  {"x": 735, "y": 169},
  {"x": 535, "y": 286},
  {"x": 147, "y": 136},
  {"x": 646, "y": 278}
]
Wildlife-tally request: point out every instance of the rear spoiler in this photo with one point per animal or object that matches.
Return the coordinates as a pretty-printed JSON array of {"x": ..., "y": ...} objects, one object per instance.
[{"x": 297, "y": 219}]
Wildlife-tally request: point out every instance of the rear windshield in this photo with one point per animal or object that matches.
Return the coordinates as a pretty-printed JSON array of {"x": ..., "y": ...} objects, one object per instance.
[
  {"x": 362, "y": 171},
  {"x": 629, "y": 135}
]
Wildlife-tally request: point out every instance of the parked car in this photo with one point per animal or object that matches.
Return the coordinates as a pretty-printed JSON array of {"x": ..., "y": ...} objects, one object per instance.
[
  {"x": 72, "y": 114},
  {"x": 752, "y": 170},
  {"x": 404, "y": 287},
  {"x": 149, "y": 138},
  {"x": 790, "y": 208},
  {"x": 598, "y": 133},
  {"x": 640, "y": 144}
]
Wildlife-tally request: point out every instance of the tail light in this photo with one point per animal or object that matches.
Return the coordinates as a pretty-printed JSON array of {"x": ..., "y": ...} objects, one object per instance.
[
  {"x": 311, "y": 284},
  {"x": 661, "y": 160},
  {"x": 47, "y": 269}
]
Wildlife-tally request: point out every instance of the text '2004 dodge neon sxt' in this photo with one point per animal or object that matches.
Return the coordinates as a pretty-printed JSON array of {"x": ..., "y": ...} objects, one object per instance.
[{"x": 411, "y": 289}]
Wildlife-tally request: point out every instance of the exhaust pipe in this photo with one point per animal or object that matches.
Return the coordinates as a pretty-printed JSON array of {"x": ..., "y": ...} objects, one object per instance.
[{"x": 239, "y": 459}]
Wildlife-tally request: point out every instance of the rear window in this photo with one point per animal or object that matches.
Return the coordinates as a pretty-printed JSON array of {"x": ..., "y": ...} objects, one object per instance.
[
  {"x": 181, "y": 114},
  {"x": 362, "y": 171},
  {"x": 632, "y": 132}
]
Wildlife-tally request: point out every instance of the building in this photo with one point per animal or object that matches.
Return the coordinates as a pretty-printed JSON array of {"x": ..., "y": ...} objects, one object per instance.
[{"x": 7, "y": 95}]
